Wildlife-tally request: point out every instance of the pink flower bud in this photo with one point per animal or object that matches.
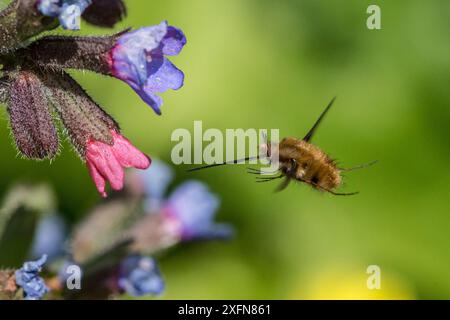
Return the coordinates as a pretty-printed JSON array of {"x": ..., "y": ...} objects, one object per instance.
[{"x": 106, "y": 162}]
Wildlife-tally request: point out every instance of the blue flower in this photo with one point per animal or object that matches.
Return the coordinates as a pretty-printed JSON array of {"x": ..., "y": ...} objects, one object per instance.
[
  {"x": 49, "y": 238},
  {"x": 156, "y": 181},
  {"x": 194, "y": 208},
  {"x": 140, "y": 276},
  {"x": 139, "y": 59},
  {"x": 50, "y": 8},
  {"x": 67, "y": 11},
  {"x": 27, "y": 277}
]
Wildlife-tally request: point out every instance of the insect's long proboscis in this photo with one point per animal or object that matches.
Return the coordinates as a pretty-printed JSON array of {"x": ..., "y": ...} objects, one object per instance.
[{"x": 224, "y": 163}]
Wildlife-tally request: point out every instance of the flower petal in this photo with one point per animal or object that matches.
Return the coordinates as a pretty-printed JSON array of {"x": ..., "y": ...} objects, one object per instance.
[
  {"x": 70, "y": 17},
  {"x": 138, "y": 59},
  {"x": 151, "y": 99},
  {"x": 28, "y": 278},
  {"x": 107, "y": 162},
  {"x": 99, "y": 181},
  {"x": 102, "y": 157},
  {"x": 127, "y": 154},
  {"x": 173, "y": 42},
  {"x": 166, "y": 77},
  {"x": 140, "y": 276},
  {"x": 194, "y": 207},
  {"x": 50, "y": 8},
  {"x": 68, "y": 11},
  {"x": 133, "y": 43}
]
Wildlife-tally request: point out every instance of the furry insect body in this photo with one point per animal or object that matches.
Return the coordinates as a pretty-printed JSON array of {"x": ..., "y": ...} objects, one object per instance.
[{"x": 304, "y": 162}]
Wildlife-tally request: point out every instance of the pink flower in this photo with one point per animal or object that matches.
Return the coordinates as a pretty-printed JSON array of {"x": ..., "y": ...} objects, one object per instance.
[{"x": 106, "y": 162}]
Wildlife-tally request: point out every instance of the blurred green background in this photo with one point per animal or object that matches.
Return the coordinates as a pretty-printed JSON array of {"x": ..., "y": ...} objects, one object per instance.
[{"x": 276, "y": 64}]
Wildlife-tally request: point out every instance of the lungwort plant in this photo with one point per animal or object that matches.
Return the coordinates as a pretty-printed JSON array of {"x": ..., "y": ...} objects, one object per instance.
[{"x": 38, "y": 90}]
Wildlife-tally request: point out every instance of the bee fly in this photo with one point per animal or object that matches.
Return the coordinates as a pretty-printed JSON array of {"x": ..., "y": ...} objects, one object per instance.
[{"x": 302, "y": 161}]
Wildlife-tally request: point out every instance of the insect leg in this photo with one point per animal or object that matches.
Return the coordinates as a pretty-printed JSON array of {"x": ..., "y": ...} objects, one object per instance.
[
  {"x": 261, "y": 179},
  {"x": 342, "y": 194},
  {"x": 328, "y": 190},
  {"x": 284, "y": 184},
  {"x": 260, "y": 172}
]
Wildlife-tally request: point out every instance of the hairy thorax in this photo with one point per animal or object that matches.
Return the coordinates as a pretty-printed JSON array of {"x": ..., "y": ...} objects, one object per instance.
[{"x": 307, "y": 163}]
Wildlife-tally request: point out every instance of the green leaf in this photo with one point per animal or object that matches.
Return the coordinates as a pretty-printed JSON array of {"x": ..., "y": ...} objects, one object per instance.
[
  {"x": 15, "y": 241},
  {"x": 20, "y": 213}
]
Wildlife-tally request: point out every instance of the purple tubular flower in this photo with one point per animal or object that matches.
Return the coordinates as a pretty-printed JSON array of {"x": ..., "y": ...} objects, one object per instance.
[
  {"x": 193, "y": 208},
  {"x": 140, "y": 276},
  {"x": 27, "y": 277},
  {"x": 139, "y": 59},
  {"x": 67, "y": 11}
]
